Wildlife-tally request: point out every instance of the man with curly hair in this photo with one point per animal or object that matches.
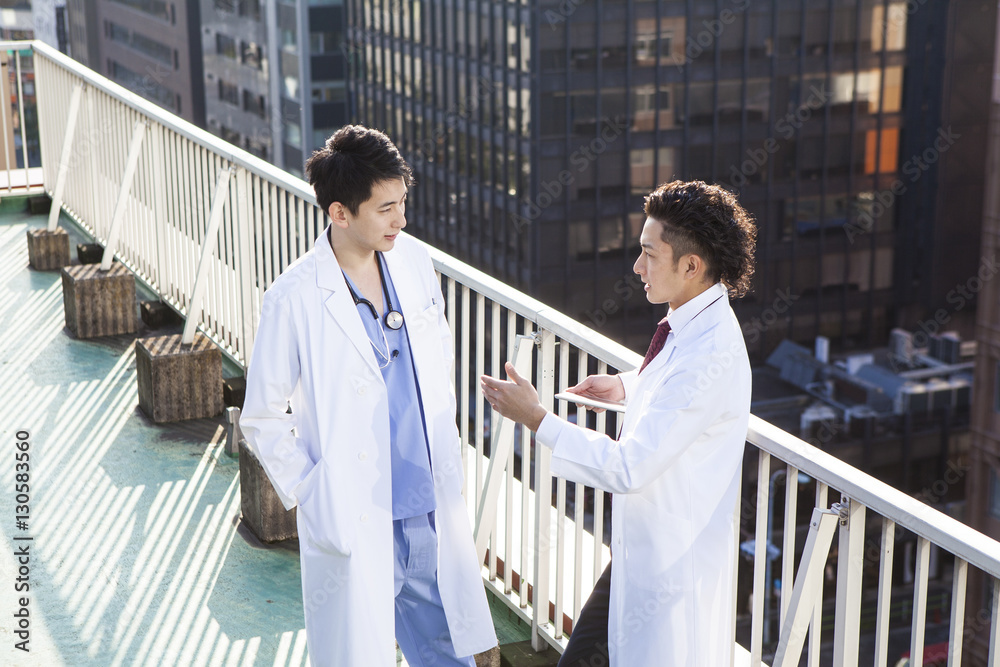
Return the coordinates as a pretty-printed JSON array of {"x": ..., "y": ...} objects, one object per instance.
[{"x": 667, "y": 596}]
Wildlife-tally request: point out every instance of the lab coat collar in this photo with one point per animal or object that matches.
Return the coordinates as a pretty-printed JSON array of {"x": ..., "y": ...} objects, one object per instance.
[
  {"x": 681, "y": 317},
  {"x": 339, "y": 304}
]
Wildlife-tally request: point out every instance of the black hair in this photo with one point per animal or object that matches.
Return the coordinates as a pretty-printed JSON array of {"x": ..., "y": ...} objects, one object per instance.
[
  {"x": 353, "y": 160},
  {"x": 708, "y": 221}
]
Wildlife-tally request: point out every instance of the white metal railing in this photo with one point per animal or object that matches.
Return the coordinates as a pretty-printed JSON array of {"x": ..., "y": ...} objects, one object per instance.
[
  {"x": 15, "y": 75},
  {"x": 544, "y": 556}
]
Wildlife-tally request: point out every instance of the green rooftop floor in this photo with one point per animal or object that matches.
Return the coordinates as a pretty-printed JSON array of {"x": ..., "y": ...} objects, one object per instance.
[{"x": 136, "y": 551}]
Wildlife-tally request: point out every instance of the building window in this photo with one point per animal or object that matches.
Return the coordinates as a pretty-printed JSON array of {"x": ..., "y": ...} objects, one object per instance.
[
  {"x": 994, "y": 494},
  {"x": 229, "y": 93},
  {"x": 138, "y": 42},
  {"x": 226, "y": 6},
  {"x": 329, "y": 92},
  {"x": 145, "y": 86},
  {"x": 232, "y": 136},
  {"x": 157, "y": 8},
  {"x": 254, "y": 104},
  {"x": 255, "y": 147},
  {"x": 292, "y": 134},
  {"x": 225, "y": 46},
  {"x": 325, "y": 42},
  {"x": 250, "y": 9},
  {"x": 251, "y": 54}
]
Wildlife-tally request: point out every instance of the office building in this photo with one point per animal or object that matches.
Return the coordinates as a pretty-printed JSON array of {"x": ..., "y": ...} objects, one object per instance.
[
  {"x": 151, "y": 47},
  {"x": 274, "y": 75},
  {"x": 981, "y": 474},
  {"x": 848, "y": 130}
]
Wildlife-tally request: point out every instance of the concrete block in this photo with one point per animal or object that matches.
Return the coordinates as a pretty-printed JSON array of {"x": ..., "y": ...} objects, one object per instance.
[
  {"x": 39, "y": 204},
  {"x": 263, "y": 512},
  {"x": 157, "y": 314},
  {"x": 489, "y": 658},
  {"x": 178, "y": 381},
  {"x": 520, "y": 654},
  {"x": 99, "y": 303},
  {"x": 234, "y": 390},
  {"x": 48, "y": 251},
  {"x": 89, "y": 253}
]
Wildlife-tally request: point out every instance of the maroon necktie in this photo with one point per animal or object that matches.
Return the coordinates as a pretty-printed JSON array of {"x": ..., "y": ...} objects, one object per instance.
[{"x": 655, "y": 345}]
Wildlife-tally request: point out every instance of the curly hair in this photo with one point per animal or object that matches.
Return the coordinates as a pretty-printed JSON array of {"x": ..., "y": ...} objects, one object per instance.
[
  {"x": 708, "y": 221},
  {"x": 354, "y": 159}
]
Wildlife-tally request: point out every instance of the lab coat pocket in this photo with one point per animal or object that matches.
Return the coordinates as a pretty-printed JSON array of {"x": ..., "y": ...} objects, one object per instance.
[
  {"x": 657, "y": 547},
  {"x": 316, "y": 518},
  {"x": 425, "y": 321}
]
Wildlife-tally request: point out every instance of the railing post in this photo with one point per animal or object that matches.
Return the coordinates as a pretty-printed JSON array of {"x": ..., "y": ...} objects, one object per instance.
[
  {"x": 850, "y": 562},
  {"x": 246, "y": 281},
  {"x": 955, "y": 639},
  {"x": 7, "y": 129},
  {"x": 994, "y": 659},
  {"x": 67, "y": 150},
  {"x": 919, "y": 603},
  {"x": 131, "y": 163},
  {"x": 500, "y": 448},
  {"x": 162, "y": 274},
  {"x": 808, "y": 588},
  {"x": 207, "y": 251},
  {"x": 20, "y": 106},
  {"x": 543, "y": 495},
  {"x": 884, "y": 592},
  {"x": 760, "y": 560}
]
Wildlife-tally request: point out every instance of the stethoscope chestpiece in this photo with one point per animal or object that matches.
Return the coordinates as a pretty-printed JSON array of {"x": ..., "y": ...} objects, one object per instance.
[{"x": 394, "y": 320}]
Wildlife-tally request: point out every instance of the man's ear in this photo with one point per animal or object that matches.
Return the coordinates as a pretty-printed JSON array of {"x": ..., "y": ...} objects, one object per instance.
[
  {"x": 693, "y": 266},
  {"x": 338, "y": 214}
]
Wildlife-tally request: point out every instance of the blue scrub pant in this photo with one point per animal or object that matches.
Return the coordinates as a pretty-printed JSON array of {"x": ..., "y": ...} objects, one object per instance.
[{"x": 421, "y": 627}]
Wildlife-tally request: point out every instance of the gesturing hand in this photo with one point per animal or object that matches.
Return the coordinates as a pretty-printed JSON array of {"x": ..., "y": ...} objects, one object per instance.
[
  {"x": 607, "y": 388},
  {"x": 515, "y": 399}
]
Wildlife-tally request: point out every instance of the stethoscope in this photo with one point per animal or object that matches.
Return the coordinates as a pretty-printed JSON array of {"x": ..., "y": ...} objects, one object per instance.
[{"x": 394, "y": 318}]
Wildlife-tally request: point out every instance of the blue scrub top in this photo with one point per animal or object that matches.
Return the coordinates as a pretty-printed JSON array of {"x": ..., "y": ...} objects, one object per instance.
[{"x": 412, "y": 482}]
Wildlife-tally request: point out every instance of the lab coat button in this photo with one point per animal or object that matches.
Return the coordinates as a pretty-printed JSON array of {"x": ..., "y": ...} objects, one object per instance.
[
  {"x": 361, "y": 390},
  {"x": 364, "y": 518},
  {"x": 362, "y": 456}
]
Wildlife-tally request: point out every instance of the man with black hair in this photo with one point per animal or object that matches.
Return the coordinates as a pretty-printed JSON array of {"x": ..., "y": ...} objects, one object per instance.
[
  {"x": 353, "y": 338},
  {"x": 667, "y": 597}
]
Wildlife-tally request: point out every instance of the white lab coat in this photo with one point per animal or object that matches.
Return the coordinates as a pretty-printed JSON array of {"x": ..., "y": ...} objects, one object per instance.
[
  {"x": 675, "y": 475},
  {"x": 312, "y": 353}
]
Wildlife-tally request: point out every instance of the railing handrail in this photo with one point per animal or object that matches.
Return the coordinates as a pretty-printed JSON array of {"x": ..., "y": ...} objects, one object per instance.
[
  {"x": 563, "y": 326},
  {"x": 916, "y": 516},
  {"x": 169, "y": 120}
]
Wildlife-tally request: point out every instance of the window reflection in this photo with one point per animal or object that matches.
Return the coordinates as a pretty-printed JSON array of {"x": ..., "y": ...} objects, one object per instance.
[
  {"x": 647, "y": 105},
  {"x": 664, "y": 44},
  {"x": 888, "y": 28},
  {"x": 644, "y": 173}
]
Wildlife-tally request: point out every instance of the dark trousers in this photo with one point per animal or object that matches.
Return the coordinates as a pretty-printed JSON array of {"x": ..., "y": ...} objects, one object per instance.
[{"x": 588, "y": 645}]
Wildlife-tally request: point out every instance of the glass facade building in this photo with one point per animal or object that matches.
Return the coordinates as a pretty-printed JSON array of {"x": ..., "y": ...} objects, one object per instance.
[
  {"x": 275, "y": 75},
  {"x": 536, "y": 128}
]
